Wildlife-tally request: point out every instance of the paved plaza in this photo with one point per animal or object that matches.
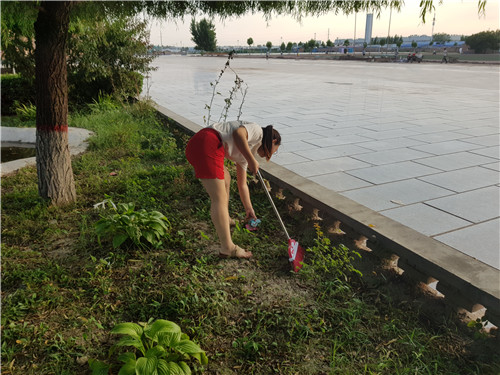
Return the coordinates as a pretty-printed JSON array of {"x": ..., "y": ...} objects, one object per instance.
[{"x": 418, "y": 143}]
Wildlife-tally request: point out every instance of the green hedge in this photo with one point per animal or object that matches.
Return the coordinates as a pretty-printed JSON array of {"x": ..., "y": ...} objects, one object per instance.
[{"x": 16, "y": 88}]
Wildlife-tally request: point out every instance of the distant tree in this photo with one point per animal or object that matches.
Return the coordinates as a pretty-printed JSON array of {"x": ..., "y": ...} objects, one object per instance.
[
  {"x": 441, "y": 38},
  {"x": 382, "y": 42},
  {"x": 346, "y": 42},
  {"x": 365, "y": 44},
  {"x": 462, "y": 38},
  {"x": 484, "y": 41},
  {"x": 323, "y": 44},
  {"x": 249, "y": 42},
  {"x": 399, "y": 41},
  {"x": 374, "y": 41},
  {"x": 269, "y": 45},
  {"x": 329, "y": 43},
  {"x": 203, "y": 33},
  {"x": 282, "y": 46},
  {"x": 414, "y": 44},
  {"x": 310, "y": 45},
  {"x": 289, "y": 46}
]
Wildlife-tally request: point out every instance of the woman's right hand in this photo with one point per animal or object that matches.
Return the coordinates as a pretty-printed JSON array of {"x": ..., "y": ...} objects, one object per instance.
[{"x": 253, "y": 166}]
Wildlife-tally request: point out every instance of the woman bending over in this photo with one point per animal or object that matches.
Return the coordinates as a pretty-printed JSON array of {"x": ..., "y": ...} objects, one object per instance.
[{"x": 239, "y": 141}]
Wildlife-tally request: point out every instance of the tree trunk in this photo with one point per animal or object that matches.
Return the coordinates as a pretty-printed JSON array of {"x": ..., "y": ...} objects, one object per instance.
[{"x": 53, "y": 161}]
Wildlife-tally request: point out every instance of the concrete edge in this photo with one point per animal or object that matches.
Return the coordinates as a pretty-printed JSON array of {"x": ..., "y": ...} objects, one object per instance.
[
  {"x": 474, "y": 281},
  {"x": 77, "y": 143}
]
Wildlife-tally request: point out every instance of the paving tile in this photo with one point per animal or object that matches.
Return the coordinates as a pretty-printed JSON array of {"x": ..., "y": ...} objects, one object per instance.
[
  {"x": 447, "y": 147},
  {"x": 339, "y": 181},
  {"x": 458, "y": 160},
  {"x": 294, "y": 146},
  {"x": 486, "y": 140},
  {"x": 391, "y": 156},
  {"x": 389, "y": 134},
  {"x": 464, "y": 179},
  {"x": 494, "y": 166},
  {"x": 302, "y": 136},
  {"x": 390, "y": 144},
  {"x": 425, "y": 219},
  {"x": 438, "y": 137},
  {"x": 437, "y": 128},
  {"x": 382, "y": 174},
  {"x": 319, "y": 167},
  {"x": 396, "y": 194},
  {"x": 479, "y": 131},
  {"x": 492, "y": 152},
  {"x": 286, "y": 158},
  {"x": 342, "y": 140},
  {"x": 475, "y": 206},
  {"x": 332, "y": 152},
  {"x": 480, "y": 241}
]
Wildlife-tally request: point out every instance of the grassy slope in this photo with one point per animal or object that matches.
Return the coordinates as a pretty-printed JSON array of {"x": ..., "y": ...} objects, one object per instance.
[{"x": 63, "y": 290}]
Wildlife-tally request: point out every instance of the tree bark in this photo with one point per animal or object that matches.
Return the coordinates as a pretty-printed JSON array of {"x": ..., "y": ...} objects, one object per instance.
[{"x": 53, "y": 160}]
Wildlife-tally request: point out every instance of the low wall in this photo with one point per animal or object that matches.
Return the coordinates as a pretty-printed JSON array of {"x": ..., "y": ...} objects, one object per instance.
[{"x": 466, "y": 283}]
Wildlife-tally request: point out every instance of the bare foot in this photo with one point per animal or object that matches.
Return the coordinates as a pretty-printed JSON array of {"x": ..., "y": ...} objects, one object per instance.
[
  {"x": 237, "y": 252},
  {"x": 232, "y": 222}
]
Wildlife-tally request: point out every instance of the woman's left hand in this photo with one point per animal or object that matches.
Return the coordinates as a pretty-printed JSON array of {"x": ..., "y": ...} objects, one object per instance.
[{"x": 250, "y": 214}]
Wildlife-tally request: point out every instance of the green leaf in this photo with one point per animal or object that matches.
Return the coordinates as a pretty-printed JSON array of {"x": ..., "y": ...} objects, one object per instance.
[
  {"x": 170, "y": 368},
  {"x": 185, "y": 368},
  {"x": 98, "y": 367},
  {"x": 156, "y": 351},
  {"x": 131, "y": 329},
  {"x": 127, "y": 357},
  {"x": 188, "y": 347},
  {"x": 119, "y": 239},
  {"x": 149, "y": 236},
  {"x": 146, "y": 366},
  {"x": 162, "y": 325},
  {"x": 128, "y": 368},
  {"x": 169, "y": 339},
  {"x": 132, "y": 341}
]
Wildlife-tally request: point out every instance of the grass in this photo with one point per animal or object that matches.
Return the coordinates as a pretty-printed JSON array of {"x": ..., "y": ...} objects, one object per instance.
[{"x": 63, "y": 289}]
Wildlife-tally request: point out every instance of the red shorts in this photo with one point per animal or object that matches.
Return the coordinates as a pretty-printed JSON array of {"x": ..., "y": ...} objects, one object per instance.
[{"x": 205, "y": 152}]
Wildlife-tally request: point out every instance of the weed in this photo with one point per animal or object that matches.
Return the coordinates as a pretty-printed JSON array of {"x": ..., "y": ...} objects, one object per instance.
[{"x": 137, "y": 226}]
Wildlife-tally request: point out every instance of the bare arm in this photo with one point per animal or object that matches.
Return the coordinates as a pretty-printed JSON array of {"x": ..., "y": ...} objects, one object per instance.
[
  {"x": 240, "y": 137},
  {"x": 241, "y": 176}
]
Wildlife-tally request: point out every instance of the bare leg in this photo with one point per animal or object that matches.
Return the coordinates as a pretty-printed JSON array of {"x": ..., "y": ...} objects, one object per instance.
[
  {"x": 227, "y": 183},
  {"x": 216, "y": 189}
]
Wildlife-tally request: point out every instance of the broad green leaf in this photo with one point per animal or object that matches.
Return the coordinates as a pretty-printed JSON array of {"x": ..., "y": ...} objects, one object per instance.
[
  {"x": 149, "y": 236},
  {"x": 170, "y": 368},
  {"x": 131, "y": 329},
  {"x": 188, "y": 347},
  {"x": 162, "y": 325},
  {"x": 185, "y": 368},
  {"x": 156, "y": 351},
  {"x": 132, "y": 341},
  {"x": 98, "y": 367},
  {"x": 128, "y": 368},
  {"x": 127, "y": 357},
  {"x": 146, "y": 366},
  {"x": 168, "y": 339},
  {"x": 119, "y": 239}
]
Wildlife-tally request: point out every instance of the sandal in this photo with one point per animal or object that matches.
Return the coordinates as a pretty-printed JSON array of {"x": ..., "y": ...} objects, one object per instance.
[{"x": 234, "y": 253}]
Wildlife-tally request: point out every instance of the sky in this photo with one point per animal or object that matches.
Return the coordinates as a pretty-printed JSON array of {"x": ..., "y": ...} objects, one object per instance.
[{"x": 451, "y": 17}]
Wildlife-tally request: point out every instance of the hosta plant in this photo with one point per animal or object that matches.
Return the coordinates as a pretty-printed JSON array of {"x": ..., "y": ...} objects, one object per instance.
[
  {"x": 124, "y": 223},
  {"x": 159, "y": 348}
]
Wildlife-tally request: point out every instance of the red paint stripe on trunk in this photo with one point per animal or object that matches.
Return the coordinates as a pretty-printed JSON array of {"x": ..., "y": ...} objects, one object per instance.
[{"x": 53, "y": 128}]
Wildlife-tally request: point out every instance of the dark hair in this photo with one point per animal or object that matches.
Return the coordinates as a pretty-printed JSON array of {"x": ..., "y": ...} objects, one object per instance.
[{"x": 270, "y": 135}]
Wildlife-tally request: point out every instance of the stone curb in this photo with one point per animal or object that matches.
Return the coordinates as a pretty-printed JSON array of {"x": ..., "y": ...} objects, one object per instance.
[
  {"x": 465, "y": 281},
  {"x": 77, "y": 142}
]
